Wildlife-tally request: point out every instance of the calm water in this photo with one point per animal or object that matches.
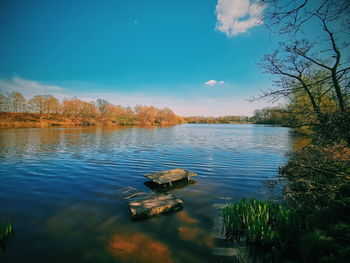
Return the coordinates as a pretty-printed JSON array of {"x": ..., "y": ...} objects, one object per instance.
[{"x": 63, "y": 188}]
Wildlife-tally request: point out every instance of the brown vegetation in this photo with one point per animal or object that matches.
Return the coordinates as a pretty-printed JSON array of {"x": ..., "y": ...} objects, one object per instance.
[{"x": 46, "y": 110}]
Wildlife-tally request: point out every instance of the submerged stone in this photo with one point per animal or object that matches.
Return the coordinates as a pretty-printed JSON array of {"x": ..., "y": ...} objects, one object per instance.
[
  {"x": 154, "y": 205},
  {"x": 169, "y": 176}
]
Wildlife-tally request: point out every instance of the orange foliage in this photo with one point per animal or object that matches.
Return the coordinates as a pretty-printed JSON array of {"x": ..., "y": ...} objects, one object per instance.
[{"x": 80, "y": 112}]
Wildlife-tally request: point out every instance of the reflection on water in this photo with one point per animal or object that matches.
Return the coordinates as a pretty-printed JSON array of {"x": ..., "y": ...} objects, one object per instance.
[
  {"x": 138, "y": 247},
  {"x": 61, "y": 187},
  {"x": 196, "y": 234},
  {"x": 184, "y": 218}
]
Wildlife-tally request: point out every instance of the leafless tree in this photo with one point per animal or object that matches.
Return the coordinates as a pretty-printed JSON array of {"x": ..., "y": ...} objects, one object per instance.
[
  {"x": 290, "y": 16},
  {"x": 5, "y": 105},
  {"x": 307, "y": 60},
  {"x": 52, "y": 105},
  {"x": 18, "y": 102},
  {"x": 102, "y": 105},
  {"x": 37, "y": 104}
]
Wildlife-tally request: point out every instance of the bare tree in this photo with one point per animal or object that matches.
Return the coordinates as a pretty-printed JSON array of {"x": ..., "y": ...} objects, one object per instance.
[
  {"x": 308, "y": 61},
  {"x": 79, "y": 109},
  {"x": 88, "y": 110},
  {"x": 166, "y": 116},
  {"x": 5, "y": 105},
  {"x": 102, "y": 105},
  {"x": 52, "y": 105},
  {"x": 146, "y": 114},
  {"x": 290, "y": 16},
  {"x": 17, "y": 101},
  {"x": 71, "y": 107},
  {"x": 36, "y": 104}
]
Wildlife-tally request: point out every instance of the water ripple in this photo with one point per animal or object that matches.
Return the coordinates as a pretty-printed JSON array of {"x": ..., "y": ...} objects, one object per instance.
[{"x": 43, "y": 171}]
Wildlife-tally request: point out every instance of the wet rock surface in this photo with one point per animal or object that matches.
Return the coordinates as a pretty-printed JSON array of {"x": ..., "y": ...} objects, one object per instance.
[
  {"x": 169, "y": 176},
  {"x": 154, "y": 205}
]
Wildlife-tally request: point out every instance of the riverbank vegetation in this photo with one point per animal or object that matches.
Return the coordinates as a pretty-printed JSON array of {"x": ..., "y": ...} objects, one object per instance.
[
  {"x": 313, "y": 225},
  {"x": 221, "y": 119},
  {"x": 46, "y": 110}
]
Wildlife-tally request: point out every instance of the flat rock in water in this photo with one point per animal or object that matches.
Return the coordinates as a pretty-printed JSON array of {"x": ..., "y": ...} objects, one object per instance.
[
  {"x": 153, "y": 205},
  {"x": 165, "y": 188},
  {"x": 169, "y": 176}
]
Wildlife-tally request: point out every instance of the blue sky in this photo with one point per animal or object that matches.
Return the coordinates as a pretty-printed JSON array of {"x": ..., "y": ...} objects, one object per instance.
[{"x": 159, "y": 52}]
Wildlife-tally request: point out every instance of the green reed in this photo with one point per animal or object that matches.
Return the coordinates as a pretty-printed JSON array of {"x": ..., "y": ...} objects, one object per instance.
[
  {"x": 5, "y": 230},
  {"x": 258, "y": 222}
]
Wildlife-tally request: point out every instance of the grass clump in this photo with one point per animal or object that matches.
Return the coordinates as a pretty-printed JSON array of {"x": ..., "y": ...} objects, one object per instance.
[
  {"x": 275, "y": 233},
  {"x": 6, "y": 229},
  {"x": 262, "y": 225},
  {"x": 252, "y": 220}
]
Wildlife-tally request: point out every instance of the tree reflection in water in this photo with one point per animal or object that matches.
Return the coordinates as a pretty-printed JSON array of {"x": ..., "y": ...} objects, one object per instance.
[{"x": 139, "y": 247}]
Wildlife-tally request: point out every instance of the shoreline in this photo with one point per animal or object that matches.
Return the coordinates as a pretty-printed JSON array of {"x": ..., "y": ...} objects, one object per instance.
[
  {"x": 18, "y": 124},
  {"x": 71, "y": 125}
]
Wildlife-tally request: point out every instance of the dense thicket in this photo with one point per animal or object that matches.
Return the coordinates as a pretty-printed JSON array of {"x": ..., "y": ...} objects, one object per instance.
[{"x": 273, "y": 116}]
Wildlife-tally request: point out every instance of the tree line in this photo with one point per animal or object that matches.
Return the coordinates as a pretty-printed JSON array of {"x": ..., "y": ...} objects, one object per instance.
[
  {"x": 41, "y": 107},
  {"x": 221, "y": 119}
]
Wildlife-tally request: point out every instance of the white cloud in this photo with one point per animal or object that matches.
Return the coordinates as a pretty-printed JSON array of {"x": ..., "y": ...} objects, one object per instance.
[
  {"x": 213, "y": 82},
  {"x": 210, "y": 82},
  {"x": 238, "y": 16},
  {"x": 29, "y": 88}
]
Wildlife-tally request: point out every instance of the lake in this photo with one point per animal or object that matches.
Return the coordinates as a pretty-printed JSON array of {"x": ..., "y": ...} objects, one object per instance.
[{"x": 64, "y": 187}]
